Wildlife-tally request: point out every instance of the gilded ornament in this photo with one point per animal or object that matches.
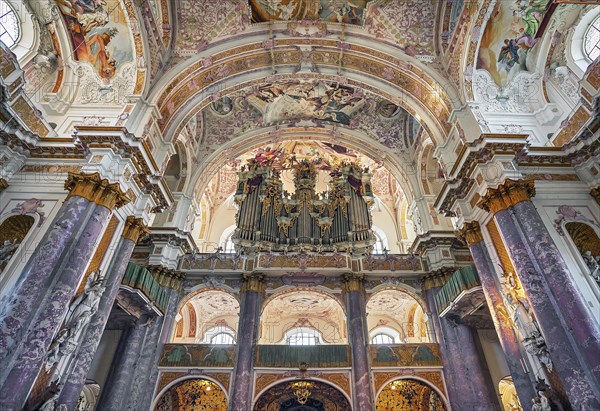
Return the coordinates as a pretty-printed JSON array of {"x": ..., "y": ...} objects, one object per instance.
[
  {"x": 471, "y": 233},
  {"x": 354, "y": 281},
  {"x": 506, "y": 195},
  {"x": 96, "y": 189},
  {"x": 254, "y": 282},
  {"x": 135, "y": 229}
]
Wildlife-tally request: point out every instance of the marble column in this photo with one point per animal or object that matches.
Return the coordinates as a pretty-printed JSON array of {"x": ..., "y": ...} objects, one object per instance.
[
  {"x": 49, "y": 281},
  {"x": 509, "y": 340},
  {"x": 117, "y": 389},
  {"x": 142, "y": 393},
  {"x": 358, "y": 332},
  {"x": 469, "y": 382},
  {"x": 433, "y": 282},
  {"x": 241, "y": 395},
  {"x": 570, "y": 333},
  {"x": 74, "y": 380}
]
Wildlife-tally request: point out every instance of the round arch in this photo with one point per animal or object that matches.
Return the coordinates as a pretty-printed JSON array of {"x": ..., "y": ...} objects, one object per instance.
[
  {"x": 400, "y": 310},
  {"x": 289, "y": 289},
  {"x": 404, "y": 288},
  {"x": 417, "y": 379},
  {"x": 302, "y": 307},
  {"x": 182, "y": 380},
  {"x": 349, "y": 138},
  {"x": 433, "y": 117},
  {"x": 202, "y": 310},
  {"x": 278, "y": 388}
]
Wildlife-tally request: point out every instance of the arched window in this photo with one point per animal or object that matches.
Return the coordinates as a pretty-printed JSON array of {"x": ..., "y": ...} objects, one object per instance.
[
  {"x": 385, "y": 335},
  {"x": 303, "y": 336},
  {"x": 222, "y": 338},
  {"x": 591, "y": 40},
  {"x": 381, "y": 241},
  {"x": 382, "y": 338},
  {"x": 220, "y": 334},
  {"x": 584, "y": 46},
  {"x": 9, "y": 25},
  {"x": 225, "y": 242}
]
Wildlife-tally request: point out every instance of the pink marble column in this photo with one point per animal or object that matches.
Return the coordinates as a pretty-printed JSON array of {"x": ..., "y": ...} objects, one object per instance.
[
  {"x": 569, "y": 332},
  {"x": 75, "y": 379},
  {"x": 469, "y": 383},
  {"x": 524, "y": 385},
  {"x": 358, "y": 333},
  {"x": 450, "y": 374},
  {"x": 241, "y": 395},
  {"x": 48, "y": 282}
]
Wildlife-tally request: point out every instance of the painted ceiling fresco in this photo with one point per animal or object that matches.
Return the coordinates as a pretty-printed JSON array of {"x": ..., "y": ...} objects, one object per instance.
[
  {"x": 99, "y": 34},
  {"x": 511, "y": 33},
  {"x": 335, "y": 11},
  {"x": 302, "y": 104},
  {"x": 326, "y": 154},
  {"x": 323, "y": 397},
  {"x": 295, "y": 100}
]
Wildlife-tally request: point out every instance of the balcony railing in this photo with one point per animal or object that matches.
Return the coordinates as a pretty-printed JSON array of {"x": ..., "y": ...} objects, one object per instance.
[
  {"x": 140, "y": 278},
  {"x": 405, "y": 355},
  {"x": 461, "y": 281},
  {"x": 291, "y": 356}
]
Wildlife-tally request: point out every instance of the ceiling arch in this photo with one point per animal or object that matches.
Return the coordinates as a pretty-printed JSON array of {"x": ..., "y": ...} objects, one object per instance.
[
  {"x": 400, "y": 166},
  {"x": 229, "y": 66}
]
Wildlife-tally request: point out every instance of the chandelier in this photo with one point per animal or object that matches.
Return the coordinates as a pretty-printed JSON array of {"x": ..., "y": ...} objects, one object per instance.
[
  {"x": 302, "y": 390},
  {"x": 404, "y": 388}
]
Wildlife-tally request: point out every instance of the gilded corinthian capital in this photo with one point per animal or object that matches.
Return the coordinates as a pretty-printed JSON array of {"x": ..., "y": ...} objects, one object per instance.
[
  {"x": 135, "y": 229},
  {"x": 96, "y": 189},
  {"x": 506, "y": 195},
  {"x": 354, "y": 281},
  {"x": 470, "y": 233}
]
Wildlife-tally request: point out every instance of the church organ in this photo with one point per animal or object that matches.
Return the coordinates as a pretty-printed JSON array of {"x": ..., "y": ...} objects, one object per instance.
[{"x": 271, "y": 218}]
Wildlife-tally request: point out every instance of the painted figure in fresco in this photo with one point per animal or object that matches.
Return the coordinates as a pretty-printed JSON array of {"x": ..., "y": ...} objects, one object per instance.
[
  {"x": 87, "y": 22},
  {"x": 509, "y": 54}
]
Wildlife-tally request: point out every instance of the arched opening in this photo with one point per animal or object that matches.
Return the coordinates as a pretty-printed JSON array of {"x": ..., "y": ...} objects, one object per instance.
[
  {"x": 397, "y": 315},
  {"x": 508, "y": 394},
  {"x": 191, "y": 395},
  {"x": 302, "y": 395},
  {"x": 10, "y": 29},
  {"x": 303, "y": 317},
  {"x": 215, "y": 192},
  {"x": 587, "y": 242},
  {"x": 13, "y": 231},
  {"x": 409, "y": 395},
  {"x": 208, "y": 317}
]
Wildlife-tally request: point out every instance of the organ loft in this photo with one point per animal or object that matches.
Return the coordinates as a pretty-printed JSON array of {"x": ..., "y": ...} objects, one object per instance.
[
  {"x": 272, "y": 218},
  {"x": 299, "y": 205}
]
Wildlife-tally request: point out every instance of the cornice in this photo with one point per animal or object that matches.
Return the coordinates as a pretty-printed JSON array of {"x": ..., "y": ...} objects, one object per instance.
[
  {"x": 508, "y": 194},
  {"x": 87, "y": 138},
  {"x": 95, "y": 189},
  {"x": 433, "y": 239},
  {"x": 470, "y": 233}
]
